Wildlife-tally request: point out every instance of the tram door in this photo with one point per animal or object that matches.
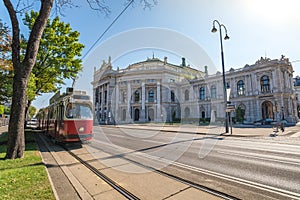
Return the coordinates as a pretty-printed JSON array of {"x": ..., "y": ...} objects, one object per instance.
[{"x": 60, "y": 118}]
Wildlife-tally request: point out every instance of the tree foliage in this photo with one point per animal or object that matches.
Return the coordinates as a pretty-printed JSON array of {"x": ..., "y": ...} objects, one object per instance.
[
  {"x": 31, "y": 112},
  {"x": 57, "y": 58},
  {"x": 5, "y": 63},
  {"x": 6, "y": 110},
  {"x": 23, "y": 65},
  {"x": 240, "y": 114},
  {"x": 1, "y": 109}
]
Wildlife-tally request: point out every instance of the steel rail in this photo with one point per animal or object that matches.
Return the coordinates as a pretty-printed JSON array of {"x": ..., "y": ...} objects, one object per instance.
[
  {"x": 109, "y": 181},
  {"x": 179, "y": 179}
]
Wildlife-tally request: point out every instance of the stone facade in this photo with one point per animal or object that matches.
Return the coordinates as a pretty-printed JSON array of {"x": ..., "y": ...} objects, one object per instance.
[
  {"x": 297, "y": 90},
  {"x": 157, "y": 91}
]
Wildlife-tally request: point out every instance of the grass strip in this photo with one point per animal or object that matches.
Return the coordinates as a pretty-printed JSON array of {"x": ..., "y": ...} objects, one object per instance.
[{"x": 24, "y": 178}]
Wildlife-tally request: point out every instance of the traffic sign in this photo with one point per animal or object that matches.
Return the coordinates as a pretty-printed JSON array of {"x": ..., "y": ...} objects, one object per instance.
[{"x": 230, "y": 108}]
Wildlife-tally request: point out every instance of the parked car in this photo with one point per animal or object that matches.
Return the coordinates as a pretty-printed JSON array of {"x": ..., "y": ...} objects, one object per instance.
[{"x": 32, "y": 124}]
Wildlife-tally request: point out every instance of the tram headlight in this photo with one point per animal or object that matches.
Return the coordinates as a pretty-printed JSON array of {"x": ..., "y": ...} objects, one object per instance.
[{"x": 81, "y": 129}]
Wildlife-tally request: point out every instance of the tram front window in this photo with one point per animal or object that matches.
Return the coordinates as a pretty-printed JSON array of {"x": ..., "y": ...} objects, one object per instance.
[{"x": 78, "y": 111}]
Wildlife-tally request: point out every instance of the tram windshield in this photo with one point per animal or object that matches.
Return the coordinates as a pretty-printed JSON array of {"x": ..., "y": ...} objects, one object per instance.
[{"x": 78, "y": 111}]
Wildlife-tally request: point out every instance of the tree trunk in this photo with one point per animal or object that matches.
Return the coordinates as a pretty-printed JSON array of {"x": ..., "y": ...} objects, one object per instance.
[
  {"x": 16, "y": 139},
  {"x": 22, "y": 70}
]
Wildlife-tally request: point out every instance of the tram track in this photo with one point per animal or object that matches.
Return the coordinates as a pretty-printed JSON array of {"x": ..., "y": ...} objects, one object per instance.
[
  {"x": 126, "y": 193},
  {"x": 129, "y": 195},
  {"x": 269, "y": 190},
  {"x": 176, "y": 178},
  {"x": 109, "y": 181}
]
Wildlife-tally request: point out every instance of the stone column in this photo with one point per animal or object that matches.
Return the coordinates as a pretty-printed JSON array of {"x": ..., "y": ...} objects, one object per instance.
[
  {"x": 247, "y": 88},
  {"x": 107, "y": 95},
  {"x": 256, "y": 84},
  {"x": 108, "y": 114},
  {"x": 252, "y": 111},
  {"x": 117, "y": 103},
  {"x": 234, "y": 83},
  {"x": 128, "y": 101},
  {"x": 220, "y": 90},
  {"x": 284, "y": 81},
  {"x": 158, "y": 102},
  {"x": 290, "y": 81},
  {"x": 102, "y": 101},
  {"x": 273, "y": 82},
  {"x": 143, "y": 113},
  {"x": 258, "y": 110},
  {"x": 287, "y": 80},
  {"x": 251, "y": 84}
]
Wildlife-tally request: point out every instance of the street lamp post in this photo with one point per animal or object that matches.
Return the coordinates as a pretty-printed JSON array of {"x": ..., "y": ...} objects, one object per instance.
[{"x": 223, "y": 68}]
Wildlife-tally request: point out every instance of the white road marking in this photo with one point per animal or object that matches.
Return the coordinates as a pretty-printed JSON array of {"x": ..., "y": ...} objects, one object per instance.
[{"x": 296, "y": 135}]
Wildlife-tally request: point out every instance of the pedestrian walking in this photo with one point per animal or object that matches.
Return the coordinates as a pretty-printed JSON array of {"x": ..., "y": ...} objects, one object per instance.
[{"x": 282, "y": 127}]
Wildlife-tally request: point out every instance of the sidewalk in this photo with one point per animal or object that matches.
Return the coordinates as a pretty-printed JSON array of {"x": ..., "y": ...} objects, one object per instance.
[
  {"x": 259, "y": 131},
  {"x": 71, "y": 180}
]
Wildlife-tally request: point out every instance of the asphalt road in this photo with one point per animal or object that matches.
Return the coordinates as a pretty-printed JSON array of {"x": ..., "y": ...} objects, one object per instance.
[{"x": 247, "y": 168}]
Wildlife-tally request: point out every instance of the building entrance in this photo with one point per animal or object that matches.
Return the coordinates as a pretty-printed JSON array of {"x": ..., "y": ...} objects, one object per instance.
[
  {"x": 136, "y": 114},
  {"x": 267, "y": 110}
]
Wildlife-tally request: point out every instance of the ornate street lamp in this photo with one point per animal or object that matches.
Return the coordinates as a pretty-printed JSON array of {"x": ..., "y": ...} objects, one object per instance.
[{"x": 223, "y": 68}]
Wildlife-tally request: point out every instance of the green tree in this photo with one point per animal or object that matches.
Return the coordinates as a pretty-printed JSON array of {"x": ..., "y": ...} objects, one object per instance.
[
  {"x": 5, "y": 64},
  {"x": 23, "y": 65},
  {"x": 31, "y": 112},
  {"x": 6, "y": 110},
  {"x": 1, "y": 109},
  {"x": 57, "y": 58},
  {"x": 240, "y": 114}
]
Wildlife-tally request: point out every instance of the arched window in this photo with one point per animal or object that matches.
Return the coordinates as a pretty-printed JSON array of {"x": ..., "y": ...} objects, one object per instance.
[
  {"x": 213, "y": 91},
  {"x": 202, "y": 93},
  {"x": 136, "y": 96},
  {"x": 172, "y": 96},
  {"x": 186, "y": 95},
  {"x": 265, "y": 83},
  {"x": 150, "y": 96},
  {"x": 240, "y": 87}
]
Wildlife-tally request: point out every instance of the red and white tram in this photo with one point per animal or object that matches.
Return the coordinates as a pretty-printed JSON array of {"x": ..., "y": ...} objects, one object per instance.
[{"x": 69, "y": 117}]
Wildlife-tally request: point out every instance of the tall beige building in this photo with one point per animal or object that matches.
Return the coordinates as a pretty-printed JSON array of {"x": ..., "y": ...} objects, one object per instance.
[
  {"x": 297, "y": 89},
  {"x": 157, "y": 91}
]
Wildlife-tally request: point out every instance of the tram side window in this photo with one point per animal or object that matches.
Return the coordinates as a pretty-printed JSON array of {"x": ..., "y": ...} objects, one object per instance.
[{"x": 70, "y": 111}]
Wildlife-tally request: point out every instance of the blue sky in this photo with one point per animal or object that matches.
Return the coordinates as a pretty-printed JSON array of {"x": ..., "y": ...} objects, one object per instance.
[{"x": 257, "y": 28}]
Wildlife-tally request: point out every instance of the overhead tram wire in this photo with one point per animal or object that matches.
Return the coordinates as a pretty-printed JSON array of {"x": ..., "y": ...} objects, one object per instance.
[{"x": 100, "y": 37}]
